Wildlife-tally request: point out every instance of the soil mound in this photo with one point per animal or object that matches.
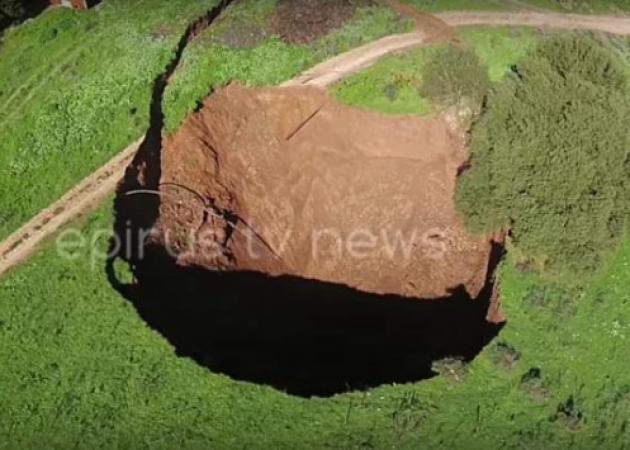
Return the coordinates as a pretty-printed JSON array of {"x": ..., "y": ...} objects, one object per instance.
[{"x": 284, "y": 181}]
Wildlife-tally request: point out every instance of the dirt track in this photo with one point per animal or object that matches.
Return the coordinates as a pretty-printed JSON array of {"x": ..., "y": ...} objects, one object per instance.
[
  {"x": 619, "y": 25},
  {"x": 86, "y": 196}
]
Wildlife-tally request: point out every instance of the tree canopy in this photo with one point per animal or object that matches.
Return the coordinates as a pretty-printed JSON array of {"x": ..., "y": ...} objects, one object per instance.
[{"x": 550, "y": 156}]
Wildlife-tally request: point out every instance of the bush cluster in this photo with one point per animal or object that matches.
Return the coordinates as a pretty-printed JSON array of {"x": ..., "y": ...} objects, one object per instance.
[
  {"x": 550, "y": 156},
  {"x": 454, "y": 77}
]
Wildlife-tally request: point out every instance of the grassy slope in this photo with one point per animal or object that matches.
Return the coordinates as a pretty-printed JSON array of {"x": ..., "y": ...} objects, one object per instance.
[
  {"x": 81, "y": 369},
  {"x": 460, "y": 5},
  {"x": 584, "y": 6},
  {"x": 64, "y": 112},
  {"x": 499, "y": 48},
  {"x": 391, "y": 86}
]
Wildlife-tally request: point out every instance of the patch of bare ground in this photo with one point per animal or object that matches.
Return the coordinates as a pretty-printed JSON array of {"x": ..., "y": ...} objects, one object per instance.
[
  {"x": 304, "y": 21},
  {"x": 244, "y": 34}
]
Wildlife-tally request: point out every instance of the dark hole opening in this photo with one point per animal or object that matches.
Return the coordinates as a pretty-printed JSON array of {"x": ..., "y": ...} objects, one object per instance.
[{"x": 306, "y": 337}]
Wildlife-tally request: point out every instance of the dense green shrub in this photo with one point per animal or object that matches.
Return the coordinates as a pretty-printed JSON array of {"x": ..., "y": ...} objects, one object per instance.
[
  {"x": 551, "y": 155},
  {"x": 454, "y": 77}
]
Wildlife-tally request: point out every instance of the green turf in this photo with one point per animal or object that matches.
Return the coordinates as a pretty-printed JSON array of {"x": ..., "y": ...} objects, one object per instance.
[
  {"x": 75, "y": 89},
  {"x": 460, "y": 5},
  {"x": 584, "y": 6},
  {"x": 499, "y": 48},
  {"x": 81, "y": 370},
  {"x": 391, "y": 86}
]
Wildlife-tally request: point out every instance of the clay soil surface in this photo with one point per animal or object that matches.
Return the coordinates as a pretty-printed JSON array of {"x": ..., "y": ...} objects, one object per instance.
[{"x": 284, "y": 181}]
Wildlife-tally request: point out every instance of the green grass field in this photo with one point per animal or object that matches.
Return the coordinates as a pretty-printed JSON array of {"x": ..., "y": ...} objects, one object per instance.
[
  {"x": 80, "y": 369},
  {"x": 460, "y": 5},
  {"x": 66, "y": 111}
]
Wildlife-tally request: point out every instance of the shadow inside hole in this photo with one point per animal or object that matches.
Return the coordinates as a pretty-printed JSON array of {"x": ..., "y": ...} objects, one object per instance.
[
  {"x": 305, "y": 337},
  {"x": 16, "y": 12}
]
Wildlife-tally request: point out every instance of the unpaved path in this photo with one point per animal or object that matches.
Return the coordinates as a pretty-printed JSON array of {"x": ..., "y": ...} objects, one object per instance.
[
  {"x": 360, "y": 58},
  {"x": 619, "y": 25},
  {"x": 87, "y": 195}
]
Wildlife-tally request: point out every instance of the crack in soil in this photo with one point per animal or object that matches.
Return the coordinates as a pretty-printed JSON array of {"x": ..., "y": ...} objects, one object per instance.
[{"x": 144, "y": 172}]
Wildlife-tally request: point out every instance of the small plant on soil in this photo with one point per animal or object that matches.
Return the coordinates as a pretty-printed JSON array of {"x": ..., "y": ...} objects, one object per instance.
[
  {"x": 410, "y": 413},
  {"x": 569, "y": 414},
  {"x": 505, "y": 356},
  {"x": 532, "y": 383}
]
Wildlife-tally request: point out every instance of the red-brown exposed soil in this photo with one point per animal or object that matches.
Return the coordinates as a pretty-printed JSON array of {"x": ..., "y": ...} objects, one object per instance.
[{"x": 284, "y": 181}]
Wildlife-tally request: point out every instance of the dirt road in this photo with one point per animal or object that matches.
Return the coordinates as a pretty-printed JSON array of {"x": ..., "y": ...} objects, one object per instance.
[
  {"x": 87, "y": 195},
  {"x": 619, "y": 25}
]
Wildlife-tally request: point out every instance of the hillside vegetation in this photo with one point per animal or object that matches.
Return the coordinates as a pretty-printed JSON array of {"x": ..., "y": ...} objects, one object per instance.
[
  {"x": 551, "y": 155},
  {"x": 82, "y": 370},
  {"x": 75, "y": 87},
  {"x": 455, "y": 78}
]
